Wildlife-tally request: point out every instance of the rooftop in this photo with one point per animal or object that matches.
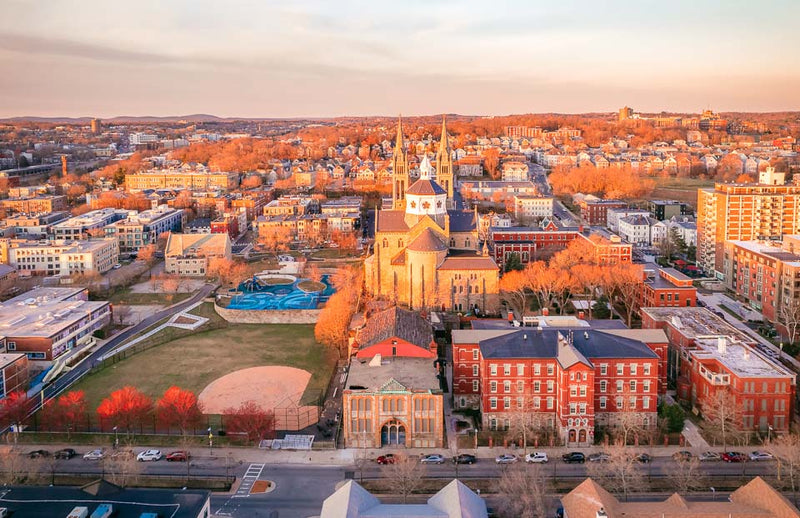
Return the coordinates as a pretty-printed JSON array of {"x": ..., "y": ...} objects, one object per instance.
[
  {"x": 393, "y": 373},
  {"x": 44, "y": 311}
]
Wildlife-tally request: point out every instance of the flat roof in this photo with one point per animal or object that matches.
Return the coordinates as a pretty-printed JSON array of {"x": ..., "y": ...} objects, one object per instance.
[
  {"x": 43, "y": 312},
  {"x": 414, "y": 374}
]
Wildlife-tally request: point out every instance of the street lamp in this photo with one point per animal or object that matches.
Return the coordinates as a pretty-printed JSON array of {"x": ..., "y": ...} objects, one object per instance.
[
  {"x": 116, "y": 438},
  {"x": 713, "y": 494},
  {"x": 769, "y": 433},
  {"x": 210, "y": 442}
]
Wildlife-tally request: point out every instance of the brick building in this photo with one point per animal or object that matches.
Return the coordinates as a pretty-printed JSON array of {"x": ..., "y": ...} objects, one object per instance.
[
  {"x": 595, "y": 211},
  {"x": 666, "y": 287},
  {"x": 706, "y": 355},
  {"x": 567, "y": 381},
  {"x": 36, "y": 204}
]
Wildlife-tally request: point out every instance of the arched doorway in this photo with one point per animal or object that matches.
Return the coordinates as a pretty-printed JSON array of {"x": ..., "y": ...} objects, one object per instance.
[
  {"x": 582, "y": 436},
  {"x": 571, "y": 436},
  {"x": 393, "y": 433}
]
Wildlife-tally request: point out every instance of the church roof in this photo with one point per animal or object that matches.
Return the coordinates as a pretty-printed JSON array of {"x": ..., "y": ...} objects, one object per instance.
[
  {"x": 391, "y": 221},
  {"x": 468, "y": 262},
  {"x": 395, "y": 322},
  {"x": 425, "y": 187},
  {"x": 462, "y": 220},
  {"x": 427, "y": 241}
]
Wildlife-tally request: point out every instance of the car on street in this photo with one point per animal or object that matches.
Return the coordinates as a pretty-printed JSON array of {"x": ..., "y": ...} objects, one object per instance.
[
  {"x": 643, "y": 458},
  {"x": 389, "y": 458},
  {"x": 35, "y": 454},
  {"x": 65, "y": 454},
  {"x": 465, "y": 458},
  {"x": 434, "y": 458},
  {"x": 116, "y": 266},
  {"x": 734, "y": 456},
  {"x": 760, "y": 455},
  {"x": 708, "y": 456},
  {"x": 574, "y": 457},
  {"x": 94, "y": 455},
  {"x": 177, "y": 456},
  {"x": 682, "y": 455},
  {"x": 598, "y": 457},
  {"x": 149, "y": 456},
  {"x": 537, "y": 457},
  {"x": 506, "y": 458}
]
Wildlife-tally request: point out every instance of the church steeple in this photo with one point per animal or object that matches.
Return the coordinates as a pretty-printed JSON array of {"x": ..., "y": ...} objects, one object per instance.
[
  {"x": 444, "y": 163},
  {"x": 399, "y": 169}
]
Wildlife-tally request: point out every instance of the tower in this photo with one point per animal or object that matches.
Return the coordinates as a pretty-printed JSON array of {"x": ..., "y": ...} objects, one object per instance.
[
  {"x": 399, "y": 169},
  {"x": 444, "y": 163}
]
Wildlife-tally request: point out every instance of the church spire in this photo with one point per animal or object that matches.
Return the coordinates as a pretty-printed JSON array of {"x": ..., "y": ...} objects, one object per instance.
[
  {"x": 400, "y": 179},
  {"x": 444, "y": 142},
  {"x": 398, "y": 143},
  {"x": 444, "y": 164}
]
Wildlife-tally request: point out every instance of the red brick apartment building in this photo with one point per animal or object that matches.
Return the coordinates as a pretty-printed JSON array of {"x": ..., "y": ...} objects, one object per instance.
[
  {"x": 533, "y": 244},
  {"x": 706, "y": 354},
  {"x": 595, "y": 212},
  {"x": 666, "y": 287},
  {"x": 566, "y": 380}
]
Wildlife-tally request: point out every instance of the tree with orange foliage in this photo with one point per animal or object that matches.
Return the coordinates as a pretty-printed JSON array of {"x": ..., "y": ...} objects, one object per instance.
[
  {"x": 14, "y": 410},
  {"x": 179, "y": 407},
  {"x": 543, "y": 282},
  {"x": 68, "y": 411},
  {"x": 275, "y": 239},
  {"x": 250, "y": 419},
  {"x": 514, "y": 290},
  {"x": 491, "y": 161},
  {"x": 588, "y": 277},
  {"x": 125, "y": 408},
  {"x": 253, "y": 181},
  {"x": 226, "y": 271},
  {"x": 345, "y": 240},
  {"x": 564, "y": 284},
  {"x": 624, "y": 283},
  {"x": 334, "y": 319}
]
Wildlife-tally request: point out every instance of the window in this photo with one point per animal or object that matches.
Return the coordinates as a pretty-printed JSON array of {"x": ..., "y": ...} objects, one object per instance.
[
  {"x": 493, "y": 403},
  {"x": 475, "y": 386},
  {"x": 507, "y": 403},
  {"x": 549, "y": 370},
  {"x": 582, "y": 408},
  {"x": 493, "y": 370},
  {"x": 632, "y": 402},
  {"x": 573, "y": 390},
  {"x": 537, "y": 403},
  {"x": 550, "y": 386},
  {"x": 549, "y": 403},
  {"x": 583, "y": 390},
  {"x": 520, "y": 403},
  {"x": 619, "y": 403},
  {"x": 633, "y": 369},
  {"x": 573, "y": 408},
  {"x": 633, "y": 385},
  {"x": 493, "y": 386},
  {"x": 506, "y": 369},
  {"x": 506, "y": 386},
  {"x": 646, "y": 369},
  {"x": 474, "y": 370},
  {"x": 646, "y": 386},
  {"x": 620, "y": 369},
  {"x": 520, "y": 386},
  {"x": 620, "y": 385},
  {"x": 520, "y": 369},
  {"x": 602, "y": 402},
  {"x": 537, "y": 369},
  {"x": 475, "y": 354},
  {"x": 12, "y": 346},
  {"x": 603, "y": 386},
  {"x": 537, "y": 386},
  {"x": 645, "y": 402}
]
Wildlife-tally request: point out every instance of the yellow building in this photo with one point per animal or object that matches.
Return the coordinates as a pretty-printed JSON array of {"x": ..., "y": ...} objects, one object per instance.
[{"x": 427, "y": 252}]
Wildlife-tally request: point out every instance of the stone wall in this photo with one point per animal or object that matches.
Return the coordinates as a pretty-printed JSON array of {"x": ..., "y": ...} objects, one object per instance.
[{"x": 268, "y": 316}]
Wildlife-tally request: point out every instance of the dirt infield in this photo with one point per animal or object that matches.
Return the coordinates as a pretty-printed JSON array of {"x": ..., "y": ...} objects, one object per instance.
[{"x": 274, "y": 388}]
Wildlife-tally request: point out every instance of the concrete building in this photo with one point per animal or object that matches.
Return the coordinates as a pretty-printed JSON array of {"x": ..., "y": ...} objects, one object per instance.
[
  {"x": 708, "y": 355},
  {"x": 141, "y": 229},
  {"x": 594, "y": 211},
  {"x": 636, "y": 229},
  {"x": 614, "y": 215},
  {"x": 189, "y": 254},
  {"x": 80, "y": 227},
  {"x": 34, "y": 226},
  {"x": 36, "y": 204},
  {"x": 666, "y": 209},
  {"x": 60, "y": 257},
  {"x": 527, "y": 208},
  {"x": 182, "y": 179}
]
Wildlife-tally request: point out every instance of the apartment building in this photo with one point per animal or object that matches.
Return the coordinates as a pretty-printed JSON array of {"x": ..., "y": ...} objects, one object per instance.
[
  {"x": 594, "y": 211},
  {"x": 744, "y": 212},
  {"x": 34, "y": 226},
  {"x": 614, "y": 215},
  {"x": 514, "y": 171},
  {"x": 60, "y": 257},
  {"x": 80, "y": 227},
  {"x": 182, "y": 180},
  {"x": 666, "y": 287},
  {"x": 636, "y": 229},
  {"x": 565, "y": 380},
  {"x": 528, "y": 207},
  {"x": 708, "y": 355},
  {"x": 141, "y": 229},
  {"x": 46, "y": 323},
  {"x": 189, "y": 254},
  {"x": 666, "y": 209},
  {"x": 36, "y": 204}
]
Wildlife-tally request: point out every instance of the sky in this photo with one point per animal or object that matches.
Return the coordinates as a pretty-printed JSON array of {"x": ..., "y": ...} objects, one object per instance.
[{"x": 276, "y": 58}]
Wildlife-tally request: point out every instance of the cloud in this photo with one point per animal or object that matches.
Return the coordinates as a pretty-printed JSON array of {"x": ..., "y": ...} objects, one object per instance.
[{"x": 24, "y": 44}]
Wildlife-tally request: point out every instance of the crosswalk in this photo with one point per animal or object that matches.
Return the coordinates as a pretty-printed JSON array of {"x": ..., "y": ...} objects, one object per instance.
[{"x": 250, "y": 476}]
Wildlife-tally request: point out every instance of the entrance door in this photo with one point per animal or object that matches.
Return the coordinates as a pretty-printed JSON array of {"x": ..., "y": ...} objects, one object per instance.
[
  {"x": 571, "y": 436},
  {"x": 393, "y": 433},
  {"x": 582, "y": 436}
]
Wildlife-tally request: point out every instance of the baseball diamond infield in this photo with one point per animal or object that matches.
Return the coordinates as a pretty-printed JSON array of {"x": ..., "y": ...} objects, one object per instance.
[{"x": 273, "y": 388}]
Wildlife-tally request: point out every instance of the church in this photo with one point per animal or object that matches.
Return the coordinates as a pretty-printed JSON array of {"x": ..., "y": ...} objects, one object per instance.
[{"x": 427, "y": 254}]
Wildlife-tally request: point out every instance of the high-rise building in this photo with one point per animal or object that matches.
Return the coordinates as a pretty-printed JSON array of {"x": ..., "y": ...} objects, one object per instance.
[
  {"x": 96, "y": 125},
  {"x": 625, "y": 113},
  {"x": 744, "y": 212}
]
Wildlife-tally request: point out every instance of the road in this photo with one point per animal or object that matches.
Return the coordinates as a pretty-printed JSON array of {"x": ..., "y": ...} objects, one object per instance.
[{"x": 65, "y": 380}]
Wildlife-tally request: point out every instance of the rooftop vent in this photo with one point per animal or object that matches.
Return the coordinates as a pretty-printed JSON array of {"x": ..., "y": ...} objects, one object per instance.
[
  {"x": 586, "y": 335},
  {"x": 722, "y": 345}
]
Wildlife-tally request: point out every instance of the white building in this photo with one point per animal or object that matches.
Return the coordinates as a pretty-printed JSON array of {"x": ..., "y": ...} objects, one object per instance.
[
  {"x": 63, "y": 257},
  {"x": 636, "y": 229},
  {"x": 515, "y": 171},
  {"x": 527, "y": 207},
  {"x": 613, "y": 215}
]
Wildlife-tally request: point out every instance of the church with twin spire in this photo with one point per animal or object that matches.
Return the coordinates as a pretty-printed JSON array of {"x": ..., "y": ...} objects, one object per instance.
[{"x": 427, "y": 253}]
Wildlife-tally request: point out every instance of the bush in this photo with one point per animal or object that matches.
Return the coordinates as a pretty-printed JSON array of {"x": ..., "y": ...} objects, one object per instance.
[{"x": 674, "y": 415}]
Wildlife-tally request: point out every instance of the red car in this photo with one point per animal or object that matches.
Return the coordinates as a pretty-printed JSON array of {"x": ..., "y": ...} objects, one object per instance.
[
  {"x": 177, "y": 456},
  {"x": 734, "y": 456},
  {"x": 386, "y": 459}
]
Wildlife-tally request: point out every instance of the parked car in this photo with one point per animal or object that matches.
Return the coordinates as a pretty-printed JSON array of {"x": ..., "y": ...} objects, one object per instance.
[
  {"x": 123, "y": 455},
  {"x": 465, "y": 458},
  {"x": 66, "y": 454},
  {"x": 682, "y": 455},
  {"x": 116, "y": 266},
  {"x": 434, "y": 458},
  {"x": 506, "y": 458},
  {"x": 149, "y": 456},
  {"x": 35, "y": 454},
  {"x": 709, "y": 456},
  {"x": 734, "y": 456},
  {"x": 761, "y": 455},
  {"x": 643, "y": 458},
  {"x": 537, "y": 457},
  {"x": 389, "y": 458},
  {"x": 574, "y": 457},
  {"x": 94, "y": 455},
  {"x": 177, "y": 456},
  {"x": 598, "y": 457}
]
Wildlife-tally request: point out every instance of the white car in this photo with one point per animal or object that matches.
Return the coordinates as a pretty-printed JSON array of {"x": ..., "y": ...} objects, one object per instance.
[
  {"x": 537, "y": 457},
  {"x": 709, "y": 456},
  {"x": 506, "y": 458},
  {"x": 761, "y": 455},
  {"x": 432, "y": 459},
  {"x": 149, "y": 455},
  {"x": 94, "y": 455},
  {"x": 116, "y": 266}
]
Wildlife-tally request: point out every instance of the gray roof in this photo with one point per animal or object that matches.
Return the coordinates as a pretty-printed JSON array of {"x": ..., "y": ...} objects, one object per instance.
[
  {"x": 391, "y": 221},
  {"x": 394, "y": 321},
  {"x": 461, "y": 220},
  {"x": 393, "y": 374}
]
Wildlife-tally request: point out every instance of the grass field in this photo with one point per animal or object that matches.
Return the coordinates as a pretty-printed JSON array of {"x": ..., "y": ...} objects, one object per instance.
[
  {"x": 125, "y": 296},
  {"x": 681, "y": 189},
  {"x": 193, "y": 361}
]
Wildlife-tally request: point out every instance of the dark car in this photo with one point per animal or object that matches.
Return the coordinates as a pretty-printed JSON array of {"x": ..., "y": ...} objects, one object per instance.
[
  {"x": 643, "y": 458},
  {"x": 35, "y": 454},
  {"x": 177, "y": 456},
  {"x": 386, "y": 459},
  {"x": 464, "y": 458},
  {"x": 734, "y": 456},
  {"x": 66, "y": 454},
  {"x": 574, "y": 457}
]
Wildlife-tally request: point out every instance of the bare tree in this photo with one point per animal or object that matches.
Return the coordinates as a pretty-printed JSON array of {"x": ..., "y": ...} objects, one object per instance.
[
  {"x": 786, "y": 450},
  {"x": 122, "y": 468},
  {"x": 620, "y": 473},
  {"x": 627, "y": 420},
  {"x": 789, "y": 316},
  {"x": 686, "y": 476},
  {"x": 522, "y": 492},
  {"x": 16, "y": 467},
  {"x": 723, "y": 415},
  {"x": 404, "y": 476}
]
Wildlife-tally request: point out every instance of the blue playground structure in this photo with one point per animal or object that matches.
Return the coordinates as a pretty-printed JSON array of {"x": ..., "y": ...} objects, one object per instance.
[{"x": 257, "y": 295}]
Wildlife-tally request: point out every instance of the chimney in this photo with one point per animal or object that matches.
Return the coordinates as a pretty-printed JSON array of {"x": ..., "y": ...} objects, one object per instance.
[
  {"x": 525, "y": 336},
  {"x": 601, "y": 513},
  {"x": 722, "y": 345}
]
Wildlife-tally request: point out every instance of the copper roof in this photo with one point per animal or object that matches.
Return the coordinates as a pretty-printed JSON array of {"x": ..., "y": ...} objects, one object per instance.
[
  {"x": 425, "y": 187},
  {"x": 476, "y": 262}
]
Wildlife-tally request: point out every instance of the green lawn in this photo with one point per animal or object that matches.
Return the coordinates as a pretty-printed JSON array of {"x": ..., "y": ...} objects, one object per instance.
[
  {"x": 681, "y": 189},
  {"x": 125, "y": 296},
  {"x": 195, "y": 360}
]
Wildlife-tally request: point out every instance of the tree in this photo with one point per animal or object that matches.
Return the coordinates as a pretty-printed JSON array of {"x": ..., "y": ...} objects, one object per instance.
[
  {"x": 69, "y": 410},
  {"x": 789, "y": 316},
  {"x": 619, "y": 474},
  {"x": 674, "y": 415},
  {"x": 723, "y": 414},
  {"x": 686, "y": 475},
  {"x": 125, "y": 408},
  {"x": 513, "y": 262},
  {"x": 491, "y": 159},
  {"x": 122, "y": 469},
  {"x": 786, "y": 450},
  {"x": 522, "y": 492},
  {"x": 16, "y": 468},
  {"x": 249, "y": 419},
  {"x": 275, "y": 239},
  {"x": 589, "y": 278},
  {"x": 14, "y": 410},
  {"x": 404, "y": 476},
  {"x": 226, "y": 271},
  {"x": 625, "y": 281},
  {"x": 514, "y": 291},
  {"x": 179, "y": 407},
  {"x": 333, "y": 323}
]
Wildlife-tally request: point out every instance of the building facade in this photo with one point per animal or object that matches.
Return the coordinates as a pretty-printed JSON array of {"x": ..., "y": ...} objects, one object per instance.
[
  {"x": 190, "y": 254},
  {"x": 61, "y": 257},
  {"x": 142, "y": 229}
]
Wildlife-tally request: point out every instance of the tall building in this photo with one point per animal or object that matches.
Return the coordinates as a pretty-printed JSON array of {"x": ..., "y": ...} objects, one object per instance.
[
  {"x": 427, "y": 255},
  {"x": 625, "y": 113},
  {"x": 96, "y": 125},
  {"x": 744, "y": 212}
]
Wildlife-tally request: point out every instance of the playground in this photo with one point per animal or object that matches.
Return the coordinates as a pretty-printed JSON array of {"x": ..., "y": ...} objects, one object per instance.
[{"x": 281, "y": 292}]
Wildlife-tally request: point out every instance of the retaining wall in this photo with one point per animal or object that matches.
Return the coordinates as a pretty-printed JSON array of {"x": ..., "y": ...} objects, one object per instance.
[{"x": 268, "y": 316}]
